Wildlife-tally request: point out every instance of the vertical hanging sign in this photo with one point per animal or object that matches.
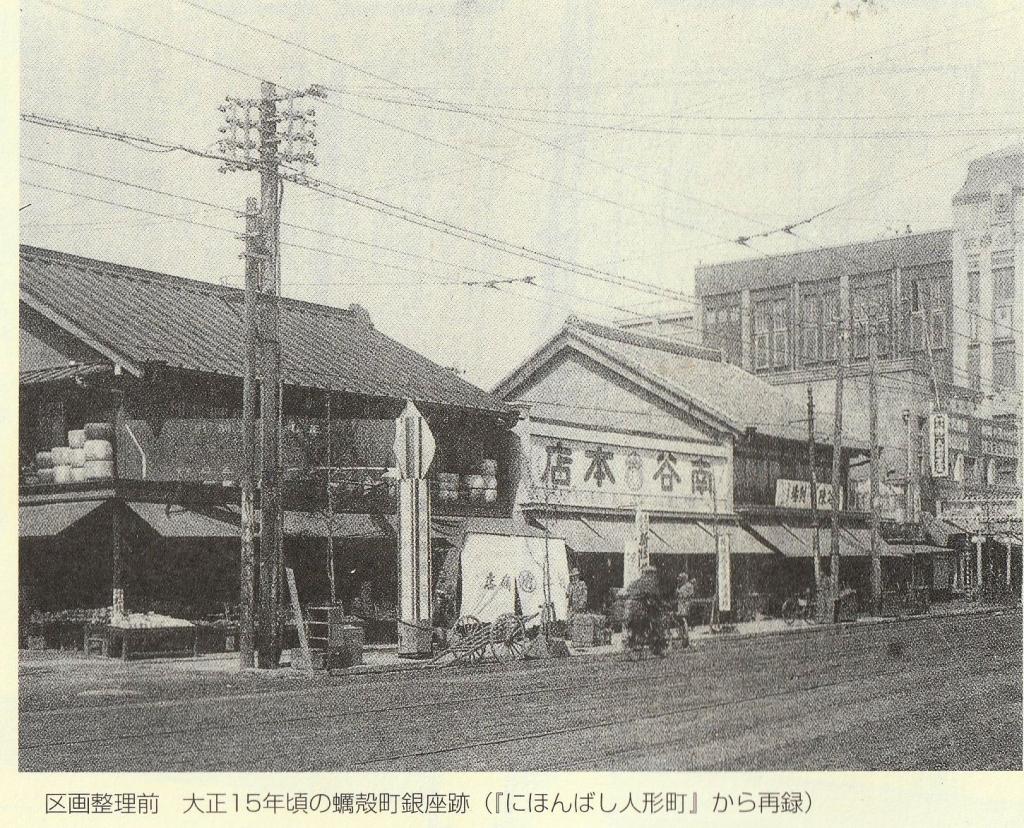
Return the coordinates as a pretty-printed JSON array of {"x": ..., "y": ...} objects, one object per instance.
[
  {"x": 939, "y": 444},
  {"x": 724, "y": 574}
]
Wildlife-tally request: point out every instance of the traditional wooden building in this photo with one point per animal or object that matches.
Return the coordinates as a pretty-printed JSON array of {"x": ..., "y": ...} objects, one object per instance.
[
  {"x": 619, "y": 422},
  {"x": 159, "y": 359}
]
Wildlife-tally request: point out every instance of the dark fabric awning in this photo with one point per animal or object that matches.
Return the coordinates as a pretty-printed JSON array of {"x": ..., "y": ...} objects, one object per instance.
[
  {"x": 171, "y": 521},
  {"x": 798, "y": 541},
  {"x": 940, "y": 532},
  {"x": 46, "y": 520}
]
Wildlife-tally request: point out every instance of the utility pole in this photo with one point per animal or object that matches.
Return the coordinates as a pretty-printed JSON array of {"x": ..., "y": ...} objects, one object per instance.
[
  {"x": 816, "y": 539},
  {"x": 255, "y": 144},
  {"x": 837, "y": 441},
  {"x": 876, "y": 561},
  {"x": 247, "y": 585},
  {"x": 330, "y": 508}
]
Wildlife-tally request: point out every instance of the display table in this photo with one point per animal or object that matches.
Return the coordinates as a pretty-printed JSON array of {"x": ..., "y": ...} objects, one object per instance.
[{"x": 146, "y": 642}]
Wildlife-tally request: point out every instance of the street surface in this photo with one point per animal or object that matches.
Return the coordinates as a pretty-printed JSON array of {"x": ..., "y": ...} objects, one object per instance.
[{"x": 933, "y": 693}]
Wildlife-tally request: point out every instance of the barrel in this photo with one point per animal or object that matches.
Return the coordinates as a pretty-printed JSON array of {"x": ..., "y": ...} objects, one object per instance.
[
  {"x": 489, "y": 468},
  {"x": 99, "y": 469},
  {"x": 62, "y": 474},
  {"x": 61, "y": 455},
  {"x": 77, "y": 458},
  {"x": 76, "y": 438},
  {"x": 447, "y": 480},
  {"x": 98, "y": 450},
  {"x": 45, "y": 475},
  {"x": 490, "y": 495},
  {"x": 44, "y": 460},
  {"x": 99, "y": 431},
  {"x": 78, "y": 473}
]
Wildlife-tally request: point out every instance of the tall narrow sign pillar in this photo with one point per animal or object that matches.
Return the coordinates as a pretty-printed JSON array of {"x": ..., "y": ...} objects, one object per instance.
[{"x": 414, "y": 452}]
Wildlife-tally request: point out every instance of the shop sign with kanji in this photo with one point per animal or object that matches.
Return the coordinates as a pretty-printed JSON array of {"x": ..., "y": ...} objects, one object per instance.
[{"x": 670, "y": 476}]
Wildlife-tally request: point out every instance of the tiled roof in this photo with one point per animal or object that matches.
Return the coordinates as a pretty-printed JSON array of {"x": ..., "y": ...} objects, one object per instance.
[
  {"x": 825, "y": 263},
  {"x": 149, "y": 317},
  {"x": 991, "y": 170},
  {"x": 720, "y": 388},
  {"x": 39, "y": 376}
]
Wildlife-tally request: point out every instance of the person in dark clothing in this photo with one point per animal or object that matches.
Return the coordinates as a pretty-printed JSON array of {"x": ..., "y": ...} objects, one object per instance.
[{"x": 645, "y": 613}]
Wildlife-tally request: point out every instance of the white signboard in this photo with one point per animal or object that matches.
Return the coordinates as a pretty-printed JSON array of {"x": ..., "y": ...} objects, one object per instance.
[
  {"x": 724, "y": 574},
  {"x": 939, "y": 445},
  {"x": 666, "y": 477},
  {"x": 796, "y": 494},
  {"x": 498, "y": 569},
  {"x": 414, "y": 444}
]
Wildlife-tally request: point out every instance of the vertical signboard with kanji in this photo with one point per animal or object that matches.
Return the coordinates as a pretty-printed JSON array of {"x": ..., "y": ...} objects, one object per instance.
[
  {"x": 724, "y": 573},
  {"x": 939, "y": 445}
]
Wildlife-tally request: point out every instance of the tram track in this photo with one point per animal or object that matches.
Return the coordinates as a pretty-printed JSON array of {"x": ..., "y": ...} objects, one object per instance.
[{"x": 594, "y": 693}]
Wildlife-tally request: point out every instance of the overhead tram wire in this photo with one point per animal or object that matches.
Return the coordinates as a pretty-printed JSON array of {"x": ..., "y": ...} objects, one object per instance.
[
  {"x": 492, "y": 275},
  {"x": 558, "y": 147},
  {"x": 693, "y": 133},
  {"x": 401, "y": 213},
  {"x": 422, "y": 94},
  {"x": 497, "y": 162}
]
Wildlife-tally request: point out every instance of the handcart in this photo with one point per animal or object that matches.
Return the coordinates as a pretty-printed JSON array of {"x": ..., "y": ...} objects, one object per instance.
[{"x": 470, "y": 640}]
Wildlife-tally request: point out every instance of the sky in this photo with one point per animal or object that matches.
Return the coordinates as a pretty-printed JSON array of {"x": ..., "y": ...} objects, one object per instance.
[{"x": 632, "y": 141}]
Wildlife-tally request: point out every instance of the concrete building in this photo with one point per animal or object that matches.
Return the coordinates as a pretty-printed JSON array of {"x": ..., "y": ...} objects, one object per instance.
[{"x": 944, "y": 308}]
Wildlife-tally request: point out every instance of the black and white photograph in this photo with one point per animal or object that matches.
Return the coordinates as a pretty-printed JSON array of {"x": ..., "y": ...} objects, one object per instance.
[{"x": 458, "y": 386}]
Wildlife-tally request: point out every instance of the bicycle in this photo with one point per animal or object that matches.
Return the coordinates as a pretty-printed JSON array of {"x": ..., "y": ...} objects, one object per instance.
[{"x": 801, "y": 607}]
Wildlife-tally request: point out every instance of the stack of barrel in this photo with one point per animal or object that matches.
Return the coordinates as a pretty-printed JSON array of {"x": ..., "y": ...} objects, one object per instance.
[
  {"x": 447, "y": 486},
  {"x": 89, "y": 455},
  {"x": 482, "y": 487}
]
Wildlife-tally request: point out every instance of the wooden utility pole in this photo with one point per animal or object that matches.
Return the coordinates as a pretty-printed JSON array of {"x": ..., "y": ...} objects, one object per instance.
[
  {"x": 816, "y": 538},
  {"x": 271, "y": 518},
  {"x": 247, "y": 586},
  {"x": 330, "y": 507},
  {"x": 876, "y": 561},
  {"x": 241, "y": 151},
  {"x": 837, "y": 445}
]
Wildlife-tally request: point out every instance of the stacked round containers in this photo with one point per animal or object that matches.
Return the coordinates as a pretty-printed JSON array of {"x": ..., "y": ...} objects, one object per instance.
[
  {"x": 76, "y": 443},
  {"x": 61, "y": 464},
  {"x": 489, "y": 471},
  {"x": 447, "y": 486},
  {"x": 474, "y": 485},
  {"x": 44, "y": 467},
  {"x": 98, "y": 451}
]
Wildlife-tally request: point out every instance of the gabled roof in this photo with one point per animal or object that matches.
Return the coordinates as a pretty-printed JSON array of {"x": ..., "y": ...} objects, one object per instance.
[
  {"x": 912, "y": 250},
  {"x": 1006, "y": 165},
  {"x": 140, "y": 317},
  {"x": 687, "y": 377}
]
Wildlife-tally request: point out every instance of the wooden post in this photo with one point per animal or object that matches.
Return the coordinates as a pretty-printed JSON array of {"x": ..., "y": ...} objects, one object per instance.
[
  {"x": 837, "y": 444},
  {"x": 876, "y": 560},
  {"x": 271, "y": 523},
  {"x": 816, "y": 538},
  {"x": 117, "y": 605},
  {"x": 247, "y": 566}
]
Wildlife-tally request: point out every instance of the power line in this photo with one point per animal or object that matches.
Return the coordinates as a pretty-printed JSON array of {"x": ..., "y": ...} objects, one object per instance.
[
  {"x": 413, "y": 90},
  {"x": 695, "y": 133},
  {"x": 402, "y": 213}
]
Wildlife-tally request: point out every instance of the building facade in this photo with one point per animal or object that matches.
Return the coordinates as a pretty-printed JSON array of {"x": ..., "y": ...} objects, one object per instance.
[
  {"x": 943, "y": 308},
  {"x": 155, "y": 362}
]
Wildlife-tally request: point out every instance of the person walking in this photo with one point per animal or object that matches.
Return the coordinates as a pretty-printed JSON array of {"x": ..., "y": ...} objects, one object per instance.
[
  {"x": 685, "y": 590},
  {"x": 645, "y": 623}
]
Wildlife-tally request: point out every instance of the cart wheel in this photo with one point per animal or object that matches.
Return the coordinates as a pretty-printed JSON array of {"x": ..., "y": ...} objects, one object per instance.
[
  {"x": 789, "y": 610},
  {"x": 508, "y": 638},
  {"x": 464, "y": 638}
]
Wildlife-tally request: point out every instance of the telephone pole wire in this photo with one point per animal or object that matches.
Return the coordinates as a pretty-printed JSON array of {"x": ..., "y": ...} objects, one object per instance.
[{"x": 254, "y": 133}]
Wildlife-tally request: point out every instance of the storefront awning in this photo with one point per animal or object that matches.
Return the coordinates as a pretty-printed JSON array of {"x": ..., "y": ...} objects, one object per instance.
[
  {"x": 798, "y": 541},
  {"x": 940, "y": 531},
  {"x": 598, "y": 536},
  {"x": 178, "y": 522},
  {"x": 916, "y": 548},
  {"x": 46, "y": 520}
]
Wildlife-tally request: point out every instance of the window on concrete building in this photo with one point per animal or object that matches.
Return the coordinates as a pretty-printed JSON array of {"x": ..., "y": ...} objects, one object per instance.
[
  {"x": 974, "y": 367},
  {"x": 1004, "y": 366},
  {"x": 762, "y": 335},
  {"x": 860, "y": 332},
  {"x": 1002, "y": 285},
  {"x": 928, "y": 314},
  {"x": 810, "y": 329},
  {"x": 780, "y": 333},
  {"x": 829, "y": 325},
  {"x": 973, "y": 279}
]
